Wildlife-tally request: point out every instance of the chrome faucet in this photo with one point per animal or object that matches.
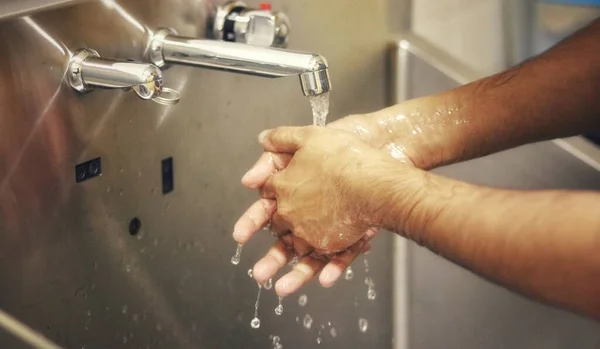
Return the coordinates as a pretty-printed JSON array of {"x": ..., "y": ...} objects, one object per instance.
[
  {"x": 166, "y": 47},
  {"x": 87, "y": 70}
]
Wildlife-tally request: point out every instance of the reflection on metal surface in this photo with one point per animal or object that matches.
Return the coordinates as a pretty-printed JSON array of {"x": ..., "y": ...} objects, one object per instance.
[
  {"x": 166, "y": 47},
  {"x": 112, "y": 4},
  {"x": 24, "y": 333},
  {"x": 12, "y": 8},
  {"x": 44, "y": 34}
]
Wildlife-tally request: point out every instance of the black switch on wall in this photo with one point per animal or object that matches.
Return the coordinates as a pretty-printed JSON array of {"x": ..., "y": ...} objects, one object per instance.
[{"x": 167, "y": 176}]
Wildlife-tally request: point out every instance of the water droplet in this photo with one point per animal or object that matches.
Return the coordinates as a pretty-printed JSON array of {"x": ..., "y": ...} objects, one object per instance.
[
  {"x": 333, "y": 332},
  {"x": 255, "y": 323},
  {"x": 363, "y": 325},
  {"x": 158, "y": 327},
  {"x": 108, "y": 189},
  {"x": 235, "y": 260},
  {"x": 349, "y": 274},
  {"x": 366, "y": 264},
  {"x": 124, "y": 339},
  {"x": 89, "y": 313},
  {"x": 128, "y": 268},
  {"x": 297, "y": 318},
  {"x": 279, "y": 308},
  {"x": 371, "y": 294},
  {"x": 120, "y": 192},
  {"x": 318, "y": 340},
  {"x": 307, "y": 322},
  {"x": 250, "y": 274},
  {"x": 135, "y": 317},
  {"x": 276, "y": 342},
  {"x": 302, "y": 300},
  {"x": 269, "y": 284},
  {"x": 124, "y": 309}
]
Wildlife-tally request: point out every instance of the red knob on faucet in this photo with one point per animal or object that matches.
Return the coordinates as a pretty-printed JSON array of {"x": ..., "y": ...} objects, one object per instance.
[{"x": 265, "y": 6}]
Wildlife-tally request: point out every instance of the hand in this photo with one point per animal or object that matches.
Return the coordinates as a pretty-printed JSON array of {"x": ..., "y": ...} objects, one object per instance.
[{"x": 319, "y": 195}]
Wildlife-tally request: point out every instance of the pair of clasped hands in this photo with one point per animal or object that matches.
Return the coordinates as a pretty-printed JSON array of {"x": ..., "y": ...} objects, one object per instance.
[{"x": 316, "y": 197}]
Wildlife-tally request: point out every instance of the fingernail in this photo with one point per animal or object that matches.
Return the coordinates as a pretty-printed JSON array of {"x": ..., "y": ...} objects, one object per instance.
[
  {"x": 258, "y": 273},
  {"x": 262, "y": 135},
  {"x": 247, "y": 174},
  {"x": 285, "y": 286},
  {"x": 238, "y": 236}
]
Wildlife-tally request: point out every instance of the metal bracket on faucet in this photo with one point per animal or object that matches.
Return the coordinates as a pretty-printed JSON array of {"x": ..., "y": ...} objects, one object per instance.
[
  {"x": 236, "y": 22},
  {"x": 87, "y": 70}
]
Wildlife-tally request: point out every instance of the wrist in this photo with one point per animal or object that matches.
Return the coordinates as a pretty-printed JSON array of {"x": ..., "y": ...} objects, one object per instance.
[
  {"x": 392, "y": 193},
  {"x": 428, "y": 130}
]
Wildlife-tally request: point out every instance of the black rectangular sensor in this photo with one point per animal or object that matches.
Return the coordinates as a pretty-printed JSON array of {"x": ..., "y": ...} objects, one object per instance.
[
  {"x": 167, "y": 175},
  {"x": 88, "y": 170}
]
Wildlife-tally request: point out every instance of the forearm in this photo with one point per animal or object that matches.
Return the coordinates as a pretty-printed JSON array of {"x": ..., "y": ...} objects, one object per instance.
[
  {"x": 544, "y": 244},
  {"x": 553, "y": 95}
]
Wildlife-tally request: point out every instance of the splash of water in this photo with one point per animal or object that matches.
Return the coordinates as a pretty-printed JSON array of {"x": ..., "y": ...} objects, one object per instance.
[
  {"x": 363, "y": 325},
  {"x": 279, "y": 308},
  {"x": 269, "y": 284},
  {"x": 349, "y": 273},
  {"x": 255, "y": 323},
  {"x": 307, "y": 322},
  {"x": 371, "y": 294},
  {"x": 235, "y": 260},
  {"x": 302, "y": 300}
]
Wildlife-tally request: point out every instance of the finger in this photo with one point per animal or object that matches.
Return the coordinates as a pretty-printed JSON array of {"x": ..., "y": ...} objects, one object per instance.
[
  {"x": 267, "y": 164},
  {"x": 305, "y": 270},
  {"x": 284, "y": 139},
  {"x": 369, "y": 234},
  {"x": 269, "y": 188},
  {"x": 367, "y": 248},
  {"x": 336, "y": 266},
  {"x": 256, "y": 217},
  {"x": 276, "y": 258}
]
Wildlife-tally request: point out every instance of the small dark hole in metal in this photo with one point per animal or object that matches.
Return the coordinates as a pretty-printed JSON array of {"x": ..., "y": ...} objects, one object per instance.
[{"x": 134, "y": 226}]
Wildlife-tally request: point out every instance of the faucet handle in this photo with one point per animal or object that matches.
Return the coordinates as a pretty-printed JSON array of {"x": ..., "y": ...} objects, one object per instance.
[
  {"x": 236, "y": 22},
  {"x": 87, "y": 70}
]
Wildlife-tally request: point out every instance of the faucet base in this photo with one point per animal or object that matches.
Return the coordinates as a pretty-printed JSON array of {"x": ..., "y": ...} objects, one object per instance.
[
  {"x": 155, "y": 46},
  {"x": 75, "y": 72}
]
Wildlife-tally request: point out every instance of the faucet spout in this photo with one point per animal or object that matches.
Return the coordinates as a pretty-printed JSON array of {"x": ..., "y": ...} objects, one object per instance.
[{"x": 166, "y": 47}]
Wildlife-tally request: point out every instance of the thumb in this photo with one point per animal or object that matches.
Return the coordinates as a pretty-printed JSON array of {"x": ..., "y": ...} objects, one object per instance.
[{"x": 284, "y": 139}]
